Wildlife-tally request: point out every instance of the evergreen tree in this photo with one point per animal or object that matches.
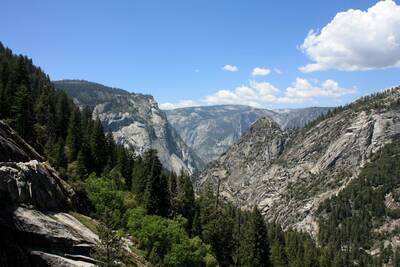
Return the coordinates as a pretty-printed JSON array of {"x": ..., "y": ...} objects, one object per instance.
[
  {"x": 98, "y": 147},
  {"x": 108, "y": 251},
  {"x": 62, "y": 114},
  {"x": 22, "y": 109},
  {"x": 57, "y": 158},
  {"x": 73, "y": 140},
  {"x": 254, "y": 245},
  {"x": 138, "y": 179},
  {"x": 111, "y": 151},
  {"x": 156, "y": 193},
  {"x": 278, "y": 257},
  {"x": 125, "y": 166},
  {"x": 185, "y": 197}
]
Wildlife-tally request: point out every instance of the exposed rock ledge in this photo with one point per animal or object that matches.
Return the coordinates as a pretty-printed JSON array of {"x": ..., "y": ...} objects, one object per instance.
[{"x": 35, "y": 228}]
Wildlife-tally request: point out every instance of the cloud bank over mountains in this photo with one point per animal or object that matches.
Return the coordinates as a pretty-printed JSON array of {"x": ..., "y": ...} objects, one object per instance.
[{"x": 261, "y": 94}]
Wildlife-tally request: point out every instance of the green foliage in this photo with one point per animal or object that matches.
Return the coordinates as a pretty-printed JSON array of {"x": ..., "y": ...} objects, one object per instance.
[
  {"x": 254, "y": 245},
  {"x": 98, "y": 147},
  {"x": 108, "y": 251},
  {"x": 181, "y": 195},
  {"x": 155, "y": 196},
  {"x": 22, "y": 108},
  {"x": 106, "y": 196},
  {"x": 215, "y": 225},
  {"x": 166, "y": 242}
]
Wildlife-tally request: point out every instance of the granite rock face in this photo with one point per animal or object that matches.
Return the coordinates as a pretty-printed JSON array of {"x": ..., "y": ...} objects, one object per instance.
[
  {"x": 211, "y": 130},
  {"x": 13, "y": 148},
  {"x": 35, "y": 227},
  {"x": 35, "y": 184},
  {"x": 135, "y": 121},
  {"x": 287, "y": 174}
]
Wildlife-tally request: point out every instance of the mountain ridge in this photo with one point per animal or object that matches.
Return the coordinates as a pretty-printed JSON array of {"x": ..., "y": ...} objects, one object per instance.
[{"x": 135, "y": 121}]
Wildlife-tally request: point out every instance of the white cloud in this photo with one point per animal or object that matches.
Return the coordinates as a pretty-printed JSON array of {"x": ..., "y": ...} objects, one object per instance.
[
  {"x": 231, "y": 68},
  {"x": 278, "y": 71},
  {"x": 302, "y": 90},
  {"x": 260, "y": 71},
  {"x": 255, "y": 94},
  {"x": 261, "y": 94},
  {"x": 356, "y": 40},
  {"x": 179, "y": 104}
]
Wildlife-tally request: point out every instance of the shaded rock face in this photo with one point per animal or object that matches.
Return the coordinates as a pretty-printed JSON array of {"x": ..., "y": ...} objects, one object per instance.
[
  {"x": 13, "y": 148},
  {"x": 287, "y": 174},
  {"x": 35, "y": 184},
  {"x": 34, "y": 226},
  {"x": 135, "y": 121},
  {"x": 211, "y": 130}
]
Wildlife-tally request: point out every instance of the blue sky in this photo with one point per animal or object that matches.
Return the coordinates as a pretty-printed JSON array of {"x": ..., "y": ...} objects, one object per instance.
[{"x": 177, "y": 50}]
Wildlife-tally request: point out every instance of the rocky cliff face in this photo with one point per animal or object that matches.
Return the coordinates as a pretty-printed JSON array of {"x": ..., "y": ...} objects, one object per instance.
[
  {"x": 135, "y": 121},
  {"x": 287, "y": 174},
  {"x": 211, "y": 130},
  {"x": 35, "y": 228}
]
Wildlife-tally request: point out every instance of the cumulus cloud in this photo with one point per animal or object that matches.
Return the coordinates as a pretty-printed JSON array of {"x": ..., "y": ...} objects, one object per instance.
[
  {"x": 255, "y": 94},
  {"x": 231, "y": 68},
  {"x": 260, "y": 71},
  {"x": 302, "y": 90},
  {"x": 261, "y": 94},
  {"x": 356, "y": 40},
  {"x": 179, "y": 104}
]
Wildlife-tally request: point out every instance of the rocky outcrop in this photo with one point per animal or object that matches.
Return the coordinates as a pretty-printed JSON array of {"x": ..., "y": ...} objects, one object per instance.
[
  {"x": 288, "y": 173},
  {"x": 13, "y": 148},
  {"x": 35, "y": 227},
  {"x": 211, "y": 130},
  {"x": 34, "y": 184},
  {"x": 135, "y": 121}
]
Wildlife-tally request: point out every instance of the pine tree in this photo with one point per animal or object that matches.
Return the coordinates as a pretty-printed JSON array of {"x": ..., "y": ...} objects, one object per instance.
[
  {"x": 98, "y": 147},
  {"x": 73, "y": 140},
  {"x": 125, "y": 166},
  {"x": 255, "y": 247},
  {"x": 62, "y": 114},
  {"x": 185, "y": 197},
  {"x": 108, "y": 251},
  {"x": 278, "y": 257},
  {"x": 56, "y": 156},
  {"x": 138, "y": 179},
  {"x": 156, "y": 193},
  {"x": 111, "y": 151},
  {"x": 22, "y": 109}
]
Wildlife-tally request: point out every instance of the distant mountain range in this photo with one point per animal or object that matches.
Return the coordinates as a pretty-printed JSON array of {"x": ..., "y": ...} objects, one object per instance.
[
  {"x": 211, "y": 130},
  {"x": 135, "y": 121}
]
